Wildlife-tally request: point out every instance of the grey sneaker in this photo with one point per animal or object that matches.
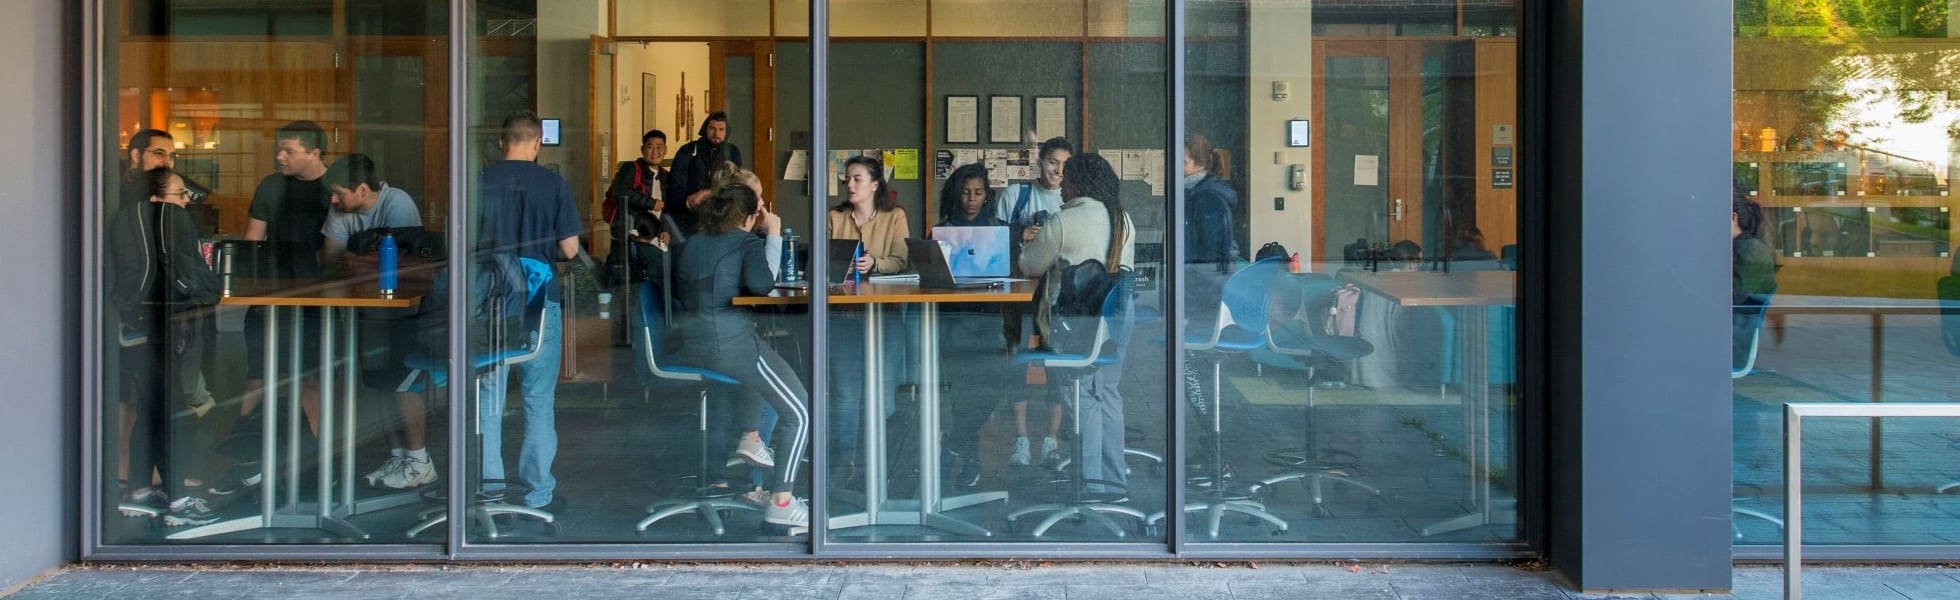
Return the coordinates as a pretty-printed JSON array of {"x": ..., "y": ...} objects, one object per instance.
[
  {"x": 794, "y": 514},
  {"x": 189, "y": 510},
  {"x": 755, "y": 453},
  {"x": 1051, "y": 450},
  {"x": 374, "y": 477},
  {"x": 1020, "y": 455},
  {"x": 411, "y": 474}
]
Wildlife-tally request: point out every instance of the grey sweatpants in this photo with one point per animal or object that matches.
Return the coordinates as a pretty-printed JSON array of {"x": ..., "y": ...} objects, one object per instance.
[{"x": 1101, "y": 420}]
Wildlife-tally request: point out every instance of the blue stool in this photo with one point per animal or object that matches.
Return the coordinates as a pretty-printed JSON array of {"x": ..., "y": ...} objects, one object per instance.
[
  {"x": 707, "y": 500},
  {"x": 1081, "y": 502}
]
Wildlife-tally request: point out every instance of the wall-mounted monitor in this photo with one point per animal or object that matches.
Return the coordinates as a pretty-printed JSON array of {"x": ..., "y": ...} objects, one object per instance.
[{"x": 550, "y": 137}]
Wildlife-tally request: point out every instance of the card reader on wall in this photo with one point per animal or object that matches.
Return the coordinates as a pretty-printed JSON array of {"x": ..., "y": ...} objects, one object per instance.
[{"x": 1296, "y": 177}]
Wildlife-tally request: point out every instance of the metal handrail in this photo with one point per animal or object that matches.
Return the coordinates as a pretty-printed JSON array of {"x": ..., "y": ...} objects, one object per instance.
[{"x": 1793, "y": 415}]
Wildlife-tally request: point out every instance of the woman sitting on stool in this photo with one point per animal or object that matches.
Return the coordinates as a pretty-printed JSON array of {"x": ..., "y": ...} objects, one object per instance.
[{"x": 727, "y": 258}]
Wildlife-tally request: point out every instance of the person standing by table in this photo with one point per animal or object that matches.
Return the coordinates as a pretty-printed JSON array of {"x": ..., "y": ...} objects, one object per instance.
[
  {"x": 1212, "y": 254},
  {"x": 730, "y": 256},
  {"x": 966, "y": 201},
  {"x": 1092, "y": 225},
  {"x": 1024, "y": 206},
  {"x": 527, "y": 209},
  {"x": 288, "y": 209},
  {"x": 869, "y": 214},
  {"x": 694, "y": 167},
  {"x": 161, "y": 288},
  {"x": 363, "y": 202}
]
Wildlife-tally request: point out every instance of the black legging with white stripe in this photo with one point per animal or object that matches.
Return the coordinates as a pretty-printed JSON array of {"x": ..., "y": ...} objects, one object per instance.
[{"x": 766, "y": 377}]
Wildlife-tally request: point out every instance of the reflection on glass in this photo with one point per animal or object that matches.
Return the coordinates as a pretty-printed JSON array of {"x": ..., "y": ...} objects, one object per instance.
[
  {"x": 261, "y": 386},
  {"x": 1351, "y": 375},
  {"x": 1860, "y": 234}
]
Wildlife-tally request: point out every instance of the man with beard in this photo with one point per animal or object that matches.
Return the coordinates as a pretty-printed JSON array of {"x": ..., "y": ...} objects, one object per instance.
[{"x": 694, "y": 166}]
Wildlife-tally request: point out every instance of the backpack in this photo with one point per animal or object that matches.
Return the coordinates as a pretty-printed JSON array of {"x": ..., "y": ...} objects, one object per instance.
[
  {"x": 1078, "y": 292},
  {"x": 499, "y": 291}
]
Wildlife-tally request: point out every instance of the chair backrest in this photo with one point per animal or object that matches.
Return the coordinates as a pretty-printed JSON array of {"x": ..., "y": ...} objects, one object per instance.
[
  {"x": 1748, "y": 329},
  {"x": 1118, "y": 319},
  {"x": 652, "y": 323},
  {"x": 1243, "y": 298}
]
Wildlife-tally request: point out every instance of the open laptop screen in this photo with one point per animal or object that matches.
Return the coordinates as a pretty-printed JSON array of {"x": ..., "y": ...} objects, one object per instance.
[{"x": 975, "y": 251}]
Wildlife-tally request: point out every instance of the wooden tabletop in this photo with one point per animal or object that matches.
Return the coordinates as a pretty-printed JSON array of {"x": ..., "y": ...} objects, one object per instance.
[
  {"x": 1431, "y": 288},
  {"x": 352, "y": 293},
  {"x": 896, "y": 292}
]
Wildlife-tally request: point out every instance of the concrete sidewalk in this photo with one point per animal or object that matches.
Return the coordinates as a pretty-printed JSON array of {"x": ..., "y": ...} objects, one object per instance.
[{"x": 830, "y": 581}]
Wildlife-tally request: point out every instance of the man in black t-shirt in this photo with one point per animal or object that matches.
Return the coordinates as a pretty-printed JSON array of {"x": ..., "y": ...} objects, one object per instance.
[{"x": 287, "y": 212}]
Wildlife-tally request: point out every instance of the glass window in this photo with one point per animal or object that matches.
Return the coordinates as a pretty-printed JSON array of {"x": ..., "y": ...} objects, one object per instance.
[
  {"x": 636, "y": 395},
  {"x": 262, "y": 355},
  {"x": 1843, "y": 228},
  {"x": 966, "y": 404},
  {"x": 1350, "y": 332}
]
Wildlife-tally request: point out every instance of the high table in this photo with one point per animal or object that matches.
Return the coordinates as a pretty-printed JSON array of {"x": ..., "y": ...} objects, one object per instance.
[
  {"x": 1469, "y": 292},
  {"x": 337, "y": 301},
  {"x": 929, "y": 509},
  {"x": 1876, "y": 309}
]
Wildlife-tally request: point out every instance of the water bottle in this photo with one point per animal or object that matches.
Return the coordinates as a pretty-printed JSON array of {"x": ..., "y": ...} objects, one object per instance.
[
  {"x": 387, "y": 261},
  {"x": 790, "y": 275}
]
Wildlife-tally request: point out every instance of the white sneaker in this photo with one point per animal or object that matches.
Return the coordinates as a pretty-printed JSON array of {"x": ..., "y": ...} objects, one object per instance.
[
  {"x": 794, "y": 514},
  {"x": 1051, "y": 449},
  {"x": 374, "y": 477},
  {"x": 752, "y": 451},
  {"x": 412, "y": 474},
  {"x": 1020, "y": 455}
]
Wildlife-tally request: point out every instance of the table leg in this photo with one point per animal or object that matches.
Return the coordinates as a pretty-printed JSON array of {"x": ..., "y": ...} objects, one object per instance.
[
  {"x": 269, "y": 413},
  {"x": 872, "y": 430},
  {"x": 299, "y": 412},
  {"x": 1878, "y": 396},
  {"x": 1474, "y": 343},
  {"x": 930, "y": 504},
  {"x": 323, "y": 451}
]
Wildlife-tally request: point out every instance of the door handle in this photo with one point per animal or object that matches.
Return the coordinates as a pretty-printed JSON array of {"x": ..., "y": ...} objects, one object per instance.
[{"x": 1397, "y": 211}]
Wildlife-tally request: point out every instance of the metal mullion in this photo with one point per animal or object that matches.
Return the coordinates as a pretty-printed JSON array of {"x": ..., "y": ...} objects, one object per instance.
[
  {"x": 818, "y": 274},
  {"x": 461, "y": 32},
  {"x": 90, "y": 126},
  {"x": 1172, "y": 275},
  {"x": 1530, "y": 335}
]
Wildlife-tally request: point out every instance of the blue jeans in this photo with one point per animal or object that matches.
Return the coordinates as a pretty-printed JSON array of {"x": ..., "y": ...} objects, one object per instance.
[{"x": 538, "y": 385}]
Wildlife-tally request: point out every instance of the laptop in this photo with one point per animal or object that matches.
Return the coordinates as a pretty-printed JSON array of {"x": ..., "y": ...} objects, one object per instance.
[
  {"x": 976, "y": 251},
  {"x": 839, "y": 262},
  {"x": 930, "y": 262}
]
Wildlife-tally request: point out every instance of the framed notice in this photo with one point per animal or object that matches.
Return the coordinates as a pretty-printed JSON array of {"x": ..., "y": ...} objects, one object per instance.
[
  {"x": 1004, "y": 119},
  {"x": 1050, "y": 116},
  {"x": 962, "y": 119}
]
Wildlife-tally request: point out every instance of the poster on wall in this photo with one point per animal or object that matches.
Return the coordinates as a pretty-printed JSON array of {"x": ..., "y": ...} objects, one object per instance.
[
  {"x": 962, "y": 119},
  {"x": 1050, "y": 116},
  {"x": 1004, "y": 119}
]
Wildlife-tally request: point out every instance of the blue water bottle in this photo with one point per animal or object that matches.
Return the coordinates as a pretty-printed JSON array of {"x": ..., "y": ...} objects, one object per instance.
[
  {"x": 790, "y": 275},
  {"x": 387, "y": 262}
]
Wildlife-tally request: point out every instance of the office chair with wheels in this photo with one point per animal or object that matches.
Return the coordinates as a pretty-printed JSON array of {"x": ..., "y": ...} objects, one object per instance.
[
  {"x": 1311, "y": 464},
  {"x": 1082, "y": 503},
  {"x": 1749, "y": 333},
  {"x": 432, "y": 373},
  {"x": 708, "y": 501},
  {"x": 1242, "y": 326}
]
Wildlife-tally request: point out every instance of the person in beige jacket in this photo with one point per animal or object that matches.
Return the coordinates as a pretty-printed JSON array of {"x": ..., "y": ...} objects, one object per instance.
[{"x": 871, "y": 215}]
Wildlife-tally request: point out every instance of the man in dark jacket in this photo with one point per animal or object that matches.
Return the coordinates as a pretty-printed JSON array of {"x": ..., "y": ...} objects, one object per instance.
[{"x": 694, "y": 168}]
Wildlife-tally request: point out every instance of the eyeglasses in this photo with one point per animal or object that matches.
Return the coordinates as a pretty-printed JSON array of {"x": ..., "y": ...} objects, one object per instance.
[{"x": 184, "y": 193}]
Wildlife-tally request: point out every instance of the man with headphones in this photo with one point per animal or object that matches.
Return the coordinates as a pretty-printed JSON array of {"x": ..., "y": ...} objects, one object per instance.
[{"x": 695, "y": 163}]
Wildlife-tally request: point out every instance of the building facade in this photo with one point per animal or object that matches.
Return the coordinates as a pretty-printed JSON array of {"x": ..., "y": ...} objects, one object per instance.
[{"x": 1405, "y": 280}]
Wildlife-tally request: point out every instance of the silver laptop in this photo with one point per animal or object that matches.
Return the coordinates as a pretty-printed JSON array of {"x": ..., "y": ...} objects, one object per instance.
[{"x": 976, "y": 251}]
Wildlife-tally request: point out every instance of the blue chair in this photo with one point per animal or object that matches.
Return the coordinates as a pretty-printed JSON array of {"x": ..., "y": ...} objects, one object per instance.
[
  {"x": 1112, "y": 331},
  {"x": 432, "y": 373},
  {"x": 1748, "y": 332},
  {"x": 708, "y": 501},
  {"x": 1242, "y": 326},
  {"x": 1312, "y": 465}
]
